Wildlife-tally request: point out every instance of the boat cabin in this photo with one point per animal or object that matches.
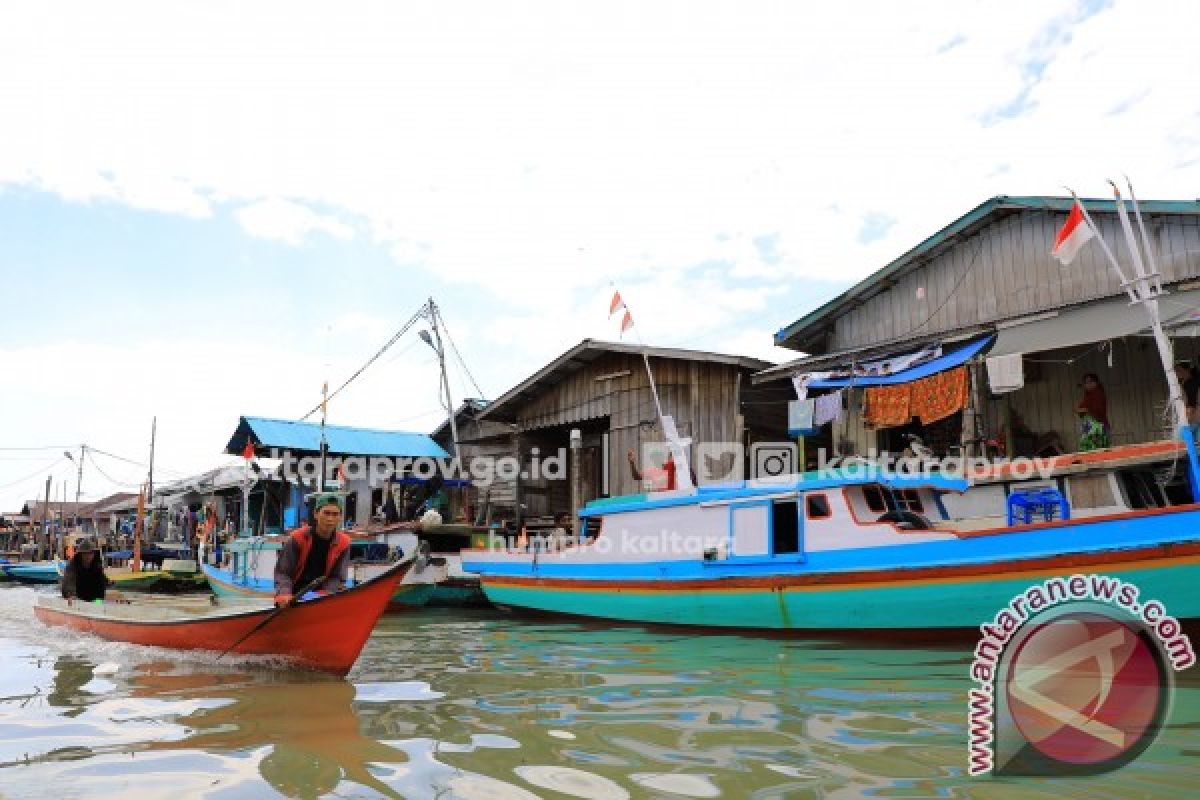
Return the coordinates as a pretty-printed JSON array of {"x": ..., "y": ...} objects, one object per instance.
[{"x": 820, "y": 521}]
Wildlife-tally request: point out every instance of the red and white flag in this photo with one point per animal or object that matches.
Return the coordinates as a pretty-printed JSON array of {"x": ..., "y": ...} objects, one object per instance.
[
  {"x": 626, "y": 322},
  {"x": 1073, "y": 235},
  {"x": 617, "y": 303}
]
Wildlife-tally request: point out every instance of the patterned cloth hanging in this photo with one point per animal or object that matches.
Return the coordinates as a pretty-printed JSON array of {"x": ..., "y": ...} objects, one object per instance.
[
  {"x": 888, "y": 406},
  {"x": 938, "y": 396}
]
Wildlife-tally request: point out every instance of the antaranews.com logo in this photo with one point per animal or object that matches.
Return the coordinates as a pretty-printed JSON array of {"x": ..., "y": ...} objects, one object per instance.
[{"x": 1073, "y": 677}]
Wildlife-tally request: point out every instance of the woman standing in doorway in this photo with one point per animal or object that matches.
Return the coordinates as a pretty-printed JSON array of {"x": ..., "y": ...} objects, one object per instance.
[{"x": 1094, "y": 431}]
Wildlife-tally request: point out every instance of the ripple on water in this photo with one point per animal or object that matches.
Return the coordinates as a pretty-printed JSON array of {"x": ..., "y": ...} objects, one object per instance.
[
  {"x": 481, "y": 787},
  {"x": 394, "y": 692},
  {"x": 683, "y": 784},
  {"x": 574, "y": 782}
]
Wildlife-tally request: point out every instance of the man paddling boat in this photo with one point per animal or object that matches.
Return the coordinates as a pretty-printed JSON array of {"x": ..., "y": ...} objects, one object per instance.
[{"x": 317, "y": 552}]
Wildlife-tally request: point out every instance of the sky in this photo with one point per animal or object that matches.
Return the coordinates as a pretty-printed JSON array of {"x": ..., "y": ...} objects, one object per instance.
[{"x": 208, "y": 210}]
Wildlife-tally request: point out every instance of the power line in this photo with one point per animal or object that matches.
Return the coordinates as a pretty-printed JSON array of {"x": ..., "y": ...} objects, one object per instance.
[
  {"x": 459, "y": 358},
  {"x": 105, "y": 475},
  {"x": 43, "y": 447},
  {"x": 118, "y": 458},
  {"x": 35, "y": 473},
  {"x": 421, "y": 312}
]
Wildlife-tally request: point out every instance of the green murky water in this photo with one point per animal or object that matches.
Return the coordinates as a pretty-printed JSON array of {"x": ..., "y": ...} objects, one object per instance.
[{"x": 447, "y": 704}]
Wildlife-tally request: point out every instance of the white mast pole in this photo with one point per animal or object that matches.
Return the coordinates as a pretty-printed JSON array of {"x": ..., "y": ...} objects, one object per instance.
[
  {"x": 1112, "y": 259},
  {"x": 1149, "y": 300},
  {"x": 1150, "y": 257}
]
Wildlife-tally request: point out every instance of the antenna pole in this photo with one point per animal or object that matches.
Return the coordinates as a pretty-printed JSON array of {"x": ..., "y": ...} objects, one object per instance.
[{"x": 441, "y": 354}]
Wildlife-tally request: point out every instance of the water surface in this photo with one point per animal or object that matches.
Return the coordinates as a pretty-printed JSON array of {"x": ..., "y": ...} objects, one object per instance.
[{"x": 479, "y": 705}]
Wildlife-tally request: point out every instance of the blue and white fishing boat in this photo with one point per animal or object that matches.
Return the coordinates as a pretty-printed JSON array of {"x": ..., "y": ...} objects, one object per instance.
[{"x": 860, "y": 552}]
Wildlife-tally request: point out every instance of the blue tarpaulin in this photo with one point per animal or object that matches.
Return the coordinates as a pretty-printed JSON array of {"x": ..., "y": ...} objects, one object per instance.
[{"x": 932, "y": 367}]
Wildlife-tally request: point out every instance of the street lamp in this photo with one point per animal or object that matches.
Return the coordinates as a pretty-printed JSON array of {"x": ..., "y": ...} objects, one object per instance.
[{"x": 436, "y": 346}]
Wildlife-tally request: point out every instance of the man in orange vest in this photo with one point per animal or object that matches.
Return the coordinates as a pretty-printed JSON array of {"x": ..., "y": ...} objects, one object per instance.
[{"x": 316, "y": 553}]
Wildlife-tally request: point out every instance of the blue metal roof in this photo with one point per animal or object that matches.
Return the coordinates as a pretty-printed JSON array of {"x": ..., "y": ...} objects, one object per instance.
[
  {"x": 931, "y": 367},
  {"x": 340, "y": 439}
]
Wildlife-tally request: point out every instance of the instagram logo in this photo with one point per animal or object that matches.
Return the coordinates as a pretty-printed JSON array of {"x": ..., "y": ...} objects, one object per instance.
[{"x": 773, "y": 462}]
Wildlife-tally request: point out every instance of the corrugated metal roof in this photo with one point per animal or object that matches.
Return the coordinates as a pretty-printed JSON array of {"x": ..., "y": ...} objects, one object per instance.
[
  {"x": 973, "y": 220},
  {"x": 340, "y": 439},
  {"x": 588, "y": 351}
]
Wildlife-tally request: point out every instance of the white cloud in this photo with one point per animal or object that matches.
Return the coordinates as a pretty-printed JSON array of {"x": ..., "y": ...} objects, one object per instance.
[
  {"x": 494, "y": 144},
  {"x": 288, "y": 222}
]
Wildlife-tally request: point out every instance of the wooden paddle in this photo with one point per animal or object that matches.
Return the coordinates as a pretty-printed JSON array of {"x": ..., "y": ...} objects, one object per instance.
[{"x": 295, "y": 599}]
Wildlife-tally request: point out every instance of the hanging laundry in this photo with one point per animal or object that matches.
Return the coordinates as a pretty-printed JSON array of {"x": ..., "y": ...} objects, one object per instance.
[
  {"x": 938, "y": 396},
  {"x": 828, "y": 408},
  {"x": 889, "y": 406},
  {"x": 1006, "y": 373}
]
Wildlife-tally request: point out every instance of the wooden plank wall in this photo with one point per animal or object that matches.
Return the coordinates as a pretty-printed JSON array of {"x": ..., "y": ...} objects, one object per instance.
[
  {"x": 1005, "y": 271},
  {"x": 701, "y": 396}
]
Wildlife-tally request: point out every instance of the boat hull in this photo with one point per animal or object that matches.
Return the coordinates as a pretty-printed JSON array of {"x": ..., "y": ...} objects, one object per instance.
[
  {"x": 325, "y": 634},
  {"x": 411, "y": 596},
  {"x": 934, "y": 598},
  {"x": 406, "y": 597},
  {"x": 33, "y": 573},
  {"x": 157, "y": 581},
  {"x": 454, "y": 593}
]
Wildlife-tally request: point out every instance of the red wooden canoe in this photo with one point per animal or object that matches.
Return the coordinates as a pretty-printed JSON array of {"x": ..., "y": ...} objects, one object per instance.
[{"x": 327, "y": 633}]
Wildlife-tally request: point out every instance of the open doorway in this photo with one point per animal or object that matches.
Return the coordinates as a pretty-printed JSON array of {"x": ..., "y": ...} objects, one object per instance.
[{"x": 785, "y": 527}]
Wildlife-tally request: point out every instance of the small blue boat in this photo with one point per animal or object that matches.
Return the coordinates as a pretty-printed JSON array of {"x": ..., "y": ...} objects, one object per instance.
[
  {"x": 249, "y": 571},
  {"x": 35, "y": 571}
]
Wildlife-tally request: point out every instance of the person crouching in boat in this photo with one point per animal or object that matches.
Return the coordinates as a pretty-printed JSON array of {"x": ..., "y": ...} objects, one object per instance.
[
  {"x": 84, "y": 576},
  {"x": 317, "y": 552}
]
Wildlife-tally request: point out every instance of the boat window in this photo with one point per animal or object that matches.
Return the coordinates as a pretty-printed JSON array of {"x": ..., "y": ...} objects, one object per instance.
[
  {"x": 817, "y": 506},
  {"x": 875, "y": 498},
  {"x": 592, "y": 527},
  {"x": 909, "y": 500},
  {"x": 785, "y": 527}
]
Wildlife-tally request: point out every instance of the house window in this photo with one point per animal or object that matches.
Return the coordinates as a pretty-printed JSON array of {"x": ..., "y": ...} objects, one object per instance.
[
  {"x": 816, "y": 506},
  {"x": 875, "y": 499}
]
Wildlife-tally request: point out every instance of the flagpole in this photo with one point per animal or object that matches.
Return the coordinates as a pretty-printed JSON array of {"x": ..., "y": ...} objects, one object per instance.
[
  {"x": 1112, "y": 259},
  {"x": 645, "y": 358},
  {"x": 324, "y": 401},
  {"x": 670, "y": 433},
  {"x": 1149, "y": 300},
  {"x": 1150, "y": 257}
]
